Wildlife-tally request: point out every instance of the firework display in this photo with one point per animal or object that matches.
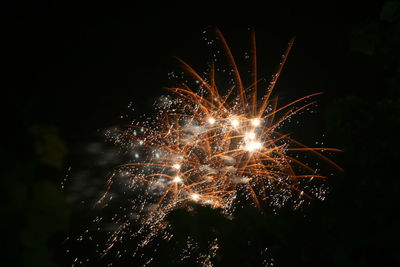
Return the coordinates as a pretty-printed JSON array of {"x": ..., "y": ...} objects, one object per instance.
[{"x": 208, "y": 147}]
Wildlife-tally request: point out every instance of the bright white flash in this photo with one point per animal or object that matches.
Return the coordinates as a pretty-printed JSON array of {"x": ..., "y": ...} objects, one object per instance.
[
  {"x": 250, "y": 135},
  {"x": 195, "y": 196},
  {"x": 235, "y": 122},
  {"x": 177, "y": 179},
  {"x": 176, "y": 166},
  {"x": 211, "y": 121},
  {"x": 255, "y": 122},
  {"x": 253, "y": 145}
]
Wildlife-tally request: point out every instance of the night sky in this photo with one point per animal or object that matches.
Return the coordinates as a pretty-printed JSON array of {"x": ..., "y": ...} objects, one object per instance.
[{"x": 72, "y": 69}]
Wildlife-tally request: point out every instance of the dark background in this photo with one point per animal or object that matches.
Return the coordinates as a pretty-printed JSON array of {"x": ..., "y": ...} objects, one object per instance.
[{"x": 72, "y": 68}]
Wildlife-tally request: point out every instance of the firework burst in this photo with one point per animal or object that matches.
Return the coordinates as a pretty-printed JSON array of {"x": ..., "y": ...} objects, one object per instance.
[{"x": 206, "y": 147}]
